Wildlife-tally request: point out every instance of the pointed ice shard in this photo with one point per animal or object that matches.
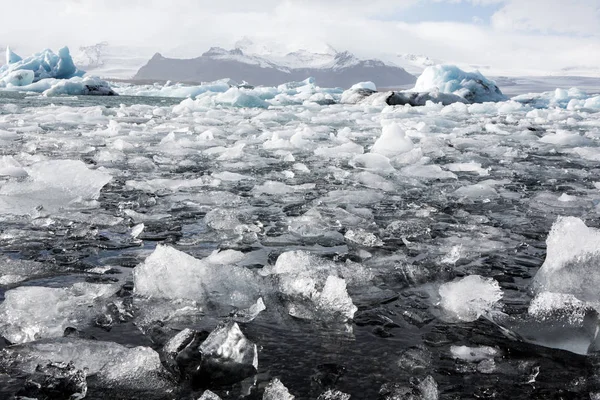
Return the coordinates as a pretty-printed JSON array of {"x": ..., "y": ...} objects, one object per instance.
[{"x": 11, "y": 57}]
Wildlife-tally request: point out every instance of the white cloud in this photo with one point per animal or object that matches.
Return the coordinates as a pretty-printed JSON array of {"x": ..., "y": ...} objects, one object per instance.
[
  {"x": 189, "y": 27},
  {"x": 550, "y": 16}
]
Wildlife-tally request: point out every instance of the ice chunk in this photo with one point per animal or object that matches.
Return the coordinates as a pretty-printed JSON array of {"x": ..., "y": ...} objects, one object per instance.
[
  {"x": 250, "y": 313},
  {"x": 88, "y": 86},
  {"x": 472, "y": 86},
  {"x": 468, "y": 167},
  {"x": 474, "y": 354},
  {"x": 114, "y": 366},
  {"x": 240, "y": 98},
  {"x": 428, "y": 172},
  {"x": 419, "y": 389},
  {"x": 392, "y": 142},
  {"x": 469, "y": 298},
  {"x": 312, "y": 289},
  {"x": 227, "y": 355},
  {"x": 53, "y": 185},
  {"x": 276, "y": 390},
  {"x": 332, "y": 394},
  {"x": 208, "y": 395},
  {"x": 545, "y": 305},
  {"x": 171, "y": 274},
  {"x": 363, "y": 238},
  {"x": 13, "y": 271},
  {"x": 55, "y": 379},
  {"x": 31, "y": 312},
  {"x": 572, "y": 257},
  {"x": 334, "y": 297}
]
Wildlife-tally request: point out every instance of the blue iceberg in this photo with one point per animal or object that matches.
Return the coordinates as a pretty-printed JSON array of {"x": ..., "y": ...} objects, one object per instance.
[{"x": 45, "y": 64}]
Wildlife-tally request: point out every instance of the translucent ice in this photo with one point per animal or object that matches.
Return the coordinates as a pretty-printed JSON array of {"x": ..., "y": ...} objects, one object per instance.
[
  {"x": 572, "y": 256},
  {"x": 114, "y": 366},
  {"x": 53, "y": 185},
  {"x": 474, "y": 354},
  {"x": 276, "y": 390},
  {"x": 171, "y": 274},
  {"x": 469, "y": 298},
  {"x": 228, "y": 354},
  {"x": 31, "y": 312},
  {"x": 304, "y": 278}
]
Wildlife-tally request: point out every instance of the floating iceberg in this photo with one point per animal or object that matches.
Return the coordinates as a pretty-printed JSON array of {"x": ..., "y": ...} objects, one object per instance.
[
  {"x": 45, "y": 64},
  {"x": 449, "y": 79},
  {"x": 443, "y": 84},
  {"x": 49, "y": 73}
]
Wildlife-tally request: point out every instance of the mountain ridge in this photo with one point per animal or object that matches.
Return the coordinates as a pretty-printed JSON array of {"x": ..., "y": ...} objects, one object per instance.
[{"x": 336, "y": 69}]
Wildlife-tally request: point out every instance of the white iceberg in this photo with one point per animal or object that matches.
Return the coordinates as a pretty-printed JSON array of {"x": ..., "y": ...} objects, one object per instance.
[{"x": 449, "y": 79}]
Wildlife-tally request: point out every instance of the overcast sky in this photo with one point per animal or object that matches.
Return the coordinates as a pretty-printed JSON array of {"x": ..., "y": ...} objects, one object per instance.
[{"x": 526, "y": 34}]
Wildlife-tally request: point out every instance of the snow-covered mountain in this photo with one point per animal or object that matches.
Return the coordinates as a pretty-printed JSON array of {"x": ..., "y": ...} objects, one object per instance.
[
  {"x": 329, "y": 68},
  {"x": 415, "y": 63}
]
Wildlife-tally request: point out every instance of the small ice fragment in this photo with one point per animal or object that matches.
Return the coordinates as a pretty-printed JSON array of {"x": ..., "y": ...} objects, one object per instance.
[
  {"x": 392, "y": 142},
  {"x": 566, "y": 198},
  {"x": 276, "y": 390},
  {"x": 473, "y": 354},
  {"x": 248, "y": 315},
  {"x": 227, "y": 354},
  {"x": 208, "y": 395},
  {"x": 469, "y": 298},
  {"x": 332, "y": 394},
  {"x": 363, "y": 238},
  {"x": 137, "y": 230}
]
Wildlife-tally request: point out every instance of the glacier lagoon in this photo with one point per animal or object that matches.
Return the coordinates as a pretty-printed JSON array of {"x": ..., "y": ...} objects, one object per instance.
[{"x": 256, "y": 242}]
